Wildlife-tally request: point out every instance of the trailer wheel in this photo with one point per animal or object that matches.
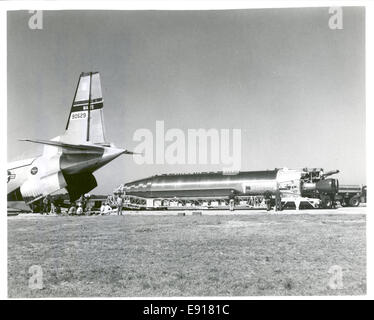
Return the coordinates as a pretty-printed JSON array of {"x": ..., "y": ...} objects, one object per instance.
[{"x": 354, "y": 201}]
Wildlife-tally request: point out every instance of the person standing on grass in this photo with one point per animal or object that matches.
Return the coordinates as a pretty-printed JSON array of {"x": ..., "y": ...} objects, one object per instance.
[
  {"x": 109, "y": 200},
  {"x": 45, "y": 205},
  {"x": 119, "y": 204},
  {"x": 53, "y": 207},
  {"x": 278, "y": 201},
  {"x": 267, "y": 197}
]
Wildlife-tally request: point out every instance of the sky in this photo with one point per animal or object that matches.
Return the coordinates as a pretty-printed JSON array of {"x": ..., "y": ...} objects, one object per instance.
[{"x": 295, "y": 87}]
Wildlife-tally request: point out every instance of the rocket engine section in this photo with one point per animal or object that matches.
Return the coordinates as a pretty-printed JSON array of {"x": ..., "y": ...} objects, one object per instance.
[
  {"x": 326, "y": 186},
  {"x": 329, "y": 186}
]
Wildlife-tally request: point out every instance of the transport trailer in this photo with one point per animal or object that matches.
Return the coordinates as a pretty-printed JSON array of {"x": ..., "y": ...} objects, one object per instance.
[
  {"x": 240, "y": 190},
  {"x": 351, "y": 195}
]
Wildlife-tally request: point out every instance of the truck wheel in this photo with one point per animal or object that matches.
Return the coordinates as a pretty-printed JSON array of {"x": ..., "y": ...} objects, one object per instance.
[
  {"x": 354, "y": 202},
  {"x": 344, "y": 203},
  {"x": 326, "y": 202}
]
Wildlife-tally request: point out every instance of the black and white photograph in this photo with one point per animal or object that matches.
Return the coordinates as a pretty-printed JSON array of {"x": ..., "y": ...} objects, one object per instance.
[{"x": 186, "y": 153}]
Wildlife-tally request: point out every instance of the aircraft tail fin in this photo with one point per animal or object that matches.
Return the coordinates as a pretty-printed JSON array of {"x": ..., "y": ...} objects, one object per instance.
[{"x": 86, "y": 121}]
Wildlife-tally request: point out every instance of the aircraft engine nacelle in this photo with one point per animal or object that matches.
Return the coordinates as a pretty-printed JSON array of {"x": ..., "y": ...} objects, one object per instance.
[{"x": 37, "y": 187}]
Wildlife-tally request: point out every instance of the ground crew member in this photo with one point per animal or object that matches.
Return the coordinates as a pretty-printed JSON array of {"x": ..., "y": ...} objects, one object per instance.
[
  {"x": 119, "y": 205},
  {"x": 107, "y": 209},
  {"x": 53, "y": 208},
  {"x": 88, "y": 211},
  {"x": 232, "y": 204},
  {"x": 80, "y": 209},
  {"x": 45, "y": 205},
  {"x": 278, "y": 201},
  {"x": 72, "y": 211},
  {"x": 267, "y": 197}
]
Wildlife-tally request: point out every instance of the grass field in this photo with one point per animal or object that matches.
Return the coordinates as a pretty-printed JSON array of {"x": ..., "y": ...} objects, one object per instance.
[{"x": 237, "y": 255}]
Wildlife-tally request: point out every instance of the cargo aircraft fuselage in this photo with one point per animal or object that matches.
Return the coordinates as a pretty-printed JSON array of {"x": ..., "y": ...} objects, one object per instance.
[{"x": 68, "y": 161}]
